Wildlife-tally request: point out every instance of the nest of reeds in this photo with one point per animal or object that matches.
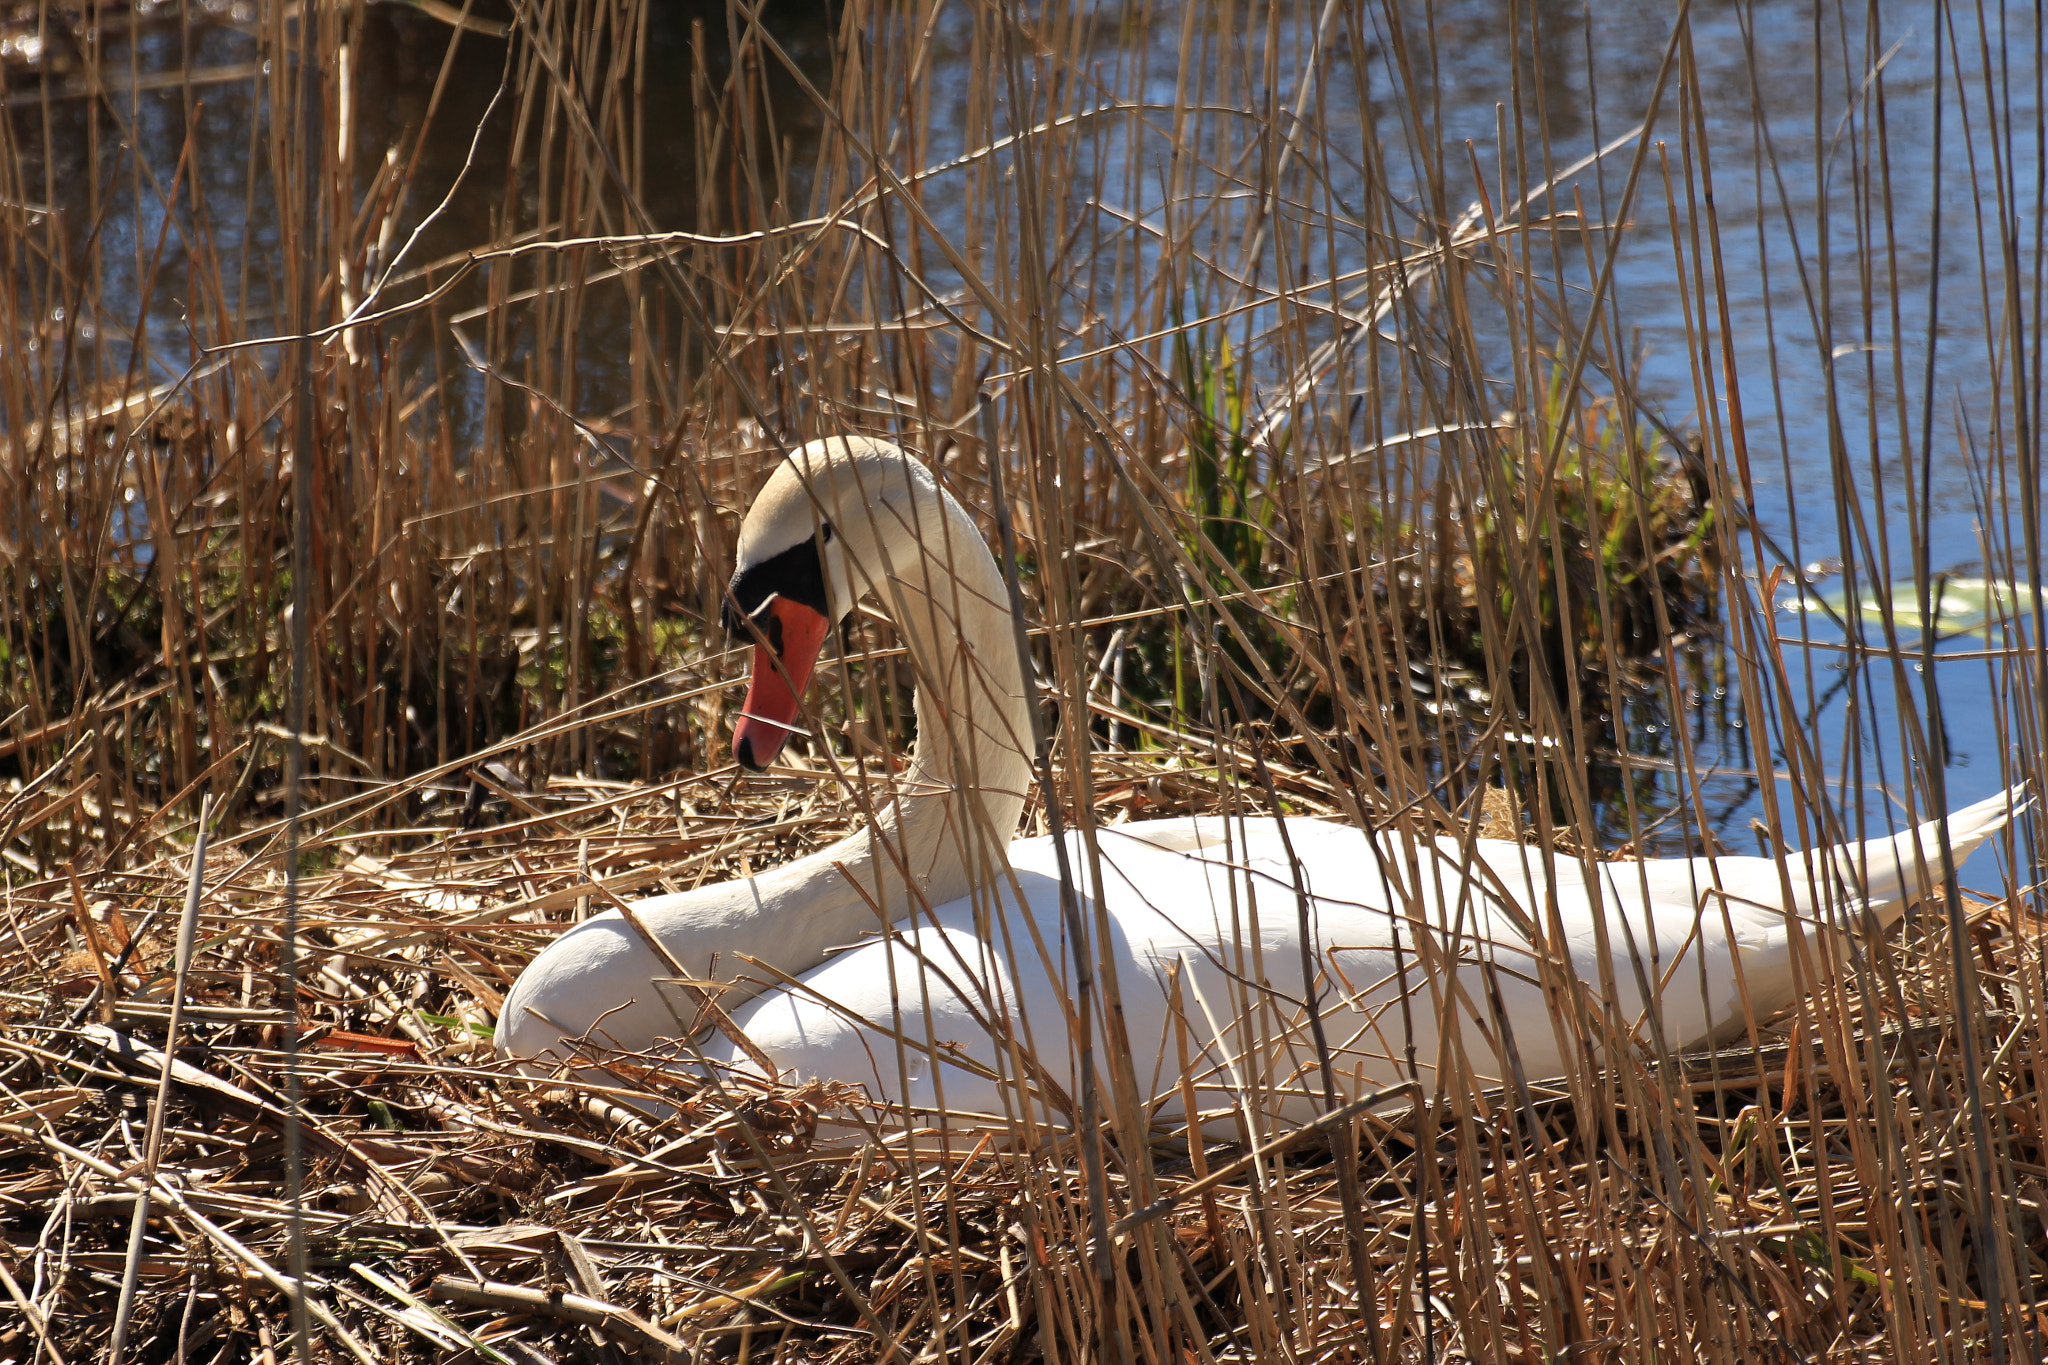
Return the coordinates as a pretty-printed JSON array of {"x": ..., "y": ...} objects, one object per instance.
[{"x": 450, "y": 1212}]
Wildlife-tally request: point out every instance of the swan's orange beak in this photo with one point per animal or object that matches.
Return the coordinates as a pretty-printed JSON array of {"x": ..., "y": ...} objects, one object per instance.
[{"x": 782, "y": 668}]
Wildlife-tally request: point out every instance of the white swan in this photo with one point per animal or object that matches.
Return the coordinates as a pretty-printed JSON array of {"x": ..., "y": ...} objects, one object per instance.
[{"x": 1421, "y": 948}]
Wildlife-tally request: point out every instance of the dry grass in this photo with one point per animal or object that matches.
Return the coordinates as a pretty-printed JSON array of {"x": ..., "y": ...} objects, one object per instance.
[
  {"x": 1324, "y": 444},
  {"x": 1794, "y": 1200}
]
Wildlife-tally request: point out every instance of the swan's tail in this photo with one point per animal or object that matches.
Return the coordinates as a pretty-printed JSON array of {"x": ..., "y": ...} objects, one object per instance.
[{"x": 1889, "y": 870}]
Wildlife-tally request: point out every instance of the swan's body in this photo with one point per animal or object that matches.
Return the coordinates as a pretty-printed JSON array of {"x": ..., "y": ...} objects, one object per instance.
[
  {"x": 1172, "y": 911},
  {"x": 1419, "y": 946}
]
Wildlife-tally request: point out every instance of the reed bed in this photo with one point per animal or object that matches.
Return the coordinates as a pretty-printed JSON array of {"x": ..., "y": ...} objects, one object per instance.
[
  {"x": 1338, "y": 489},
  {"x": 1752, "y": 1199}
]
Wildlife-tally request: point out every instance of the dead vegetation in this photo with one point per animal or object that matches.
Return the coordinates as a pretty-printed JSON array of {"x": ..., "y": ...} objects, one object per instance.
[
  {"x": 1327, "y": 454},
  {"x": 1761, "y": 1197}
]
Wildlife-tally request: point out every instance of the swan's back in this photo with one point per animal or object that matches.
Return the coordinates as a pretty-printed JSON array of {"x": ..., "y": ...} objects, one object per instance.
[{"x": 1419, "y": 948}]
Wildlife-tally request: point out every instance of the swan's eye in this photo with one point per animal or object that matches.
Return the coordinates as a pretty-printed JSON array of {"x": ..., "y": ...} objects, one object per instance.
[{"x": 796, "y": 573}]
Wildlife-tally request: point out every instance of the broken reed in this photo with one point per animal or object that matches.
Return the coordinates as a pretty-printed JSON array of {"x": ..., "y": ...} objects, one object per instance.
[{"x": 1261, "y": 424}]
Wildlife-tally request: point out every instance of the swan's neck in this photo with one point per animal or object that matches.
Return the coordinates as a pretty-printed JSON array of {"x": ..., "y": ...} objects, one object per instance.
[
  {"x": 955, "y": 810},
  {"x": 943, "y": 827}
]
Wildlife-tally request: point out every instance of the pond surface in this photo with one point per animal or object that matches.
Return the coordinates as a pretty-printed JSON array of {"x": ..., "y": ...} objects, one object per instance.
[{"x": 1866, "y": 316}]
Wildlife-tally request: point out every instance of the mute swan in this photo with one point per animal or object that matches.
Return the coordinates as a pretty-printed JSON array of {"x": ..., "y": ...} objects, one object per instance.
[{"x": 1421, "y": 950}]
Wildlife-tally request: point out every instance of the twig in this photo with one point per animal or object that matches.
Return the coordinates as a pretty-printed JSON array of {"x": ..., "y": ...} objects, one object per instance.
[
  {"x": 1286, "y": 1142},
  {"x": 153, "y": 1146},
  {"x": 220, "y": 1237},
  {"x": 33, "y": 1314},
  {"x": 18, "y": 803},
  {"x": 629, "y": 1327}
]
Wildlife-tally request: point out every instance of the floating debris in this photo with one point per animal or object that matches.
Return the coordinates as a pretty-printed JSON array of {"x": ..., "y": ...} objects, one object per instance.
[{"x": 1960, "y": 606}]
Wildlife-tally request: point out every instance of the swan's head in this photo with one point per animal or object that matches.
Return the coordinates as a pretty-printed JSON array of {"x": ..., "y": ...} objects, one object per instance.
[{"x": 828, "y": 525}]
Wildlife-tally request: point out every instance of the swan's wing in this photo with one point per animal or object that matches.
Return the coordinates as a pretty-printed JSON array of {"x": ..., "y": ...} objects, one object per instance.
[
  {"x": 1893, "y": 871},
  {"x": 1698, "y": 937},
  {"x": 1831, "y": 886}
]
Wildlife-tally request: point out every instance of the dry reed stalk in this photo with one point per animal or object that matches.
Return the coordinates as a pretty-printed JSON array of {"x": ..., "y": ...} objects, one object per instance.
[{"x": 1311, "y": 420}]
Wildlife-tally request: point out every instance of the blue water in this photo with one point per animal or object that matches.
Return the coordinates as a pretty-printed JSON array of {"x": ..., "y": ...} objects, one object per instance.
[{"x": 1833, "y": 172}]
